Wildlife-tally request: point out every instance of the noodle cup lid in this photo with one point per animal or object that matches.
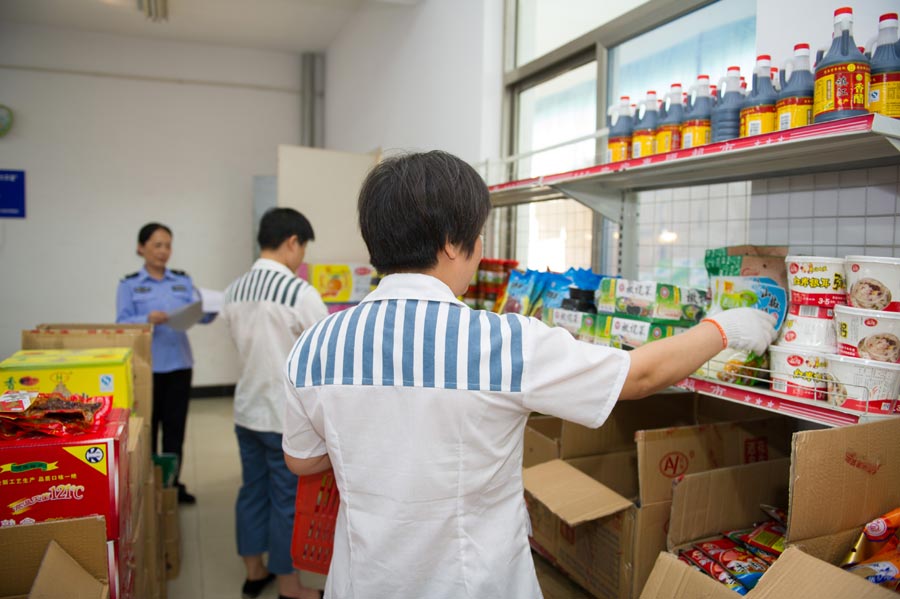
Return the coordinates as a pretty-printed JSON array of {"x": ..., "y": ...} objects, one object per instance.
[
  {"x": 872, "y": 259},
  {"x": 821, "y": 259},
  {"x": 834, "y": 359},
  {"x": 850, "y": 311}
]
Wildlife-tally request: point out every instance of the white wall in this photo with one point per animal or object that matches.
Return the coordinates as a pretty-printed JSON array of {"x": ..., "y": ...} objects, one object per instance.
[
  {"x": 419, "y": 77},
  {"x": 105, "y": 154},
  {"x": 780, "y": 24}
]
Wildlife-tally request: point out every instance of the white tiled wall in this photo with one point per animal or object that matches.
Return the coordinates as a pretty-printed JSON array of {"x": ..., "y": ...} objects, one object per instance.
[{"x": 827, "y": 214}]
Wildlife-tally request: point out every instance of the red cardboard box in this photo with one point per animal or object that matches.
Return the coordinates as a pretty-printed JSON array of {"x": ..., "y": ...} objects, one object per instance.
[{"x": 53, "y": 478}]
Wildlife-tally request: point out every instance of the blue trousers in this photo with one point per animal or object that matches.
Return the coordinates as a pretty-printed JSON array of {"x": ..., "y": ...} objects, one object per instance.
[{"x": 265, "y": 504}]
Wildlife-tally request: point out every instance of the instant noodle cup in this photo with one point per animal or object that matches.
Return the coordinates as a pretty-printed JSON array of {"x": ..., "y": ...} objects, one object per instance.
[
  {"x": 862, "y": 385},
  {"x": 873, "y": 283},
  {"x": 798, "y": 373},
  {"x": 812, "y": 333},
  {"x": 868, "y": 334},
  {"x": 816, "y": 281}
]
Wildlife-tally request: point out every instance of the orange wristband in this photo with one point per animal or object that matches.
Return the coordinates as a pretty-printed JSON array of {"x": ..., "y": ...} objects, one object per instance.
[{"x": 721, "y": 331}]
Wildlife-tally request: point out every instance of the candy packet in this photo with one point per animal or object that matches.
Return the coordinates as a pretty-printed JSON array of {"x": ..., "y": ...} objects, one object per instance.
[
  {"x": 712, "y": 569},
  {"x": 742, "y": 565}
]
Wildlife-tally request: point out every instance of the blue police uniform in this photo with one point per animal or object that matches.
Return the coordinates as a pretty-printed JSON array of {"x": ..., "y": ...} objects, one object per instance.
[{"x": 137, "y": 296}]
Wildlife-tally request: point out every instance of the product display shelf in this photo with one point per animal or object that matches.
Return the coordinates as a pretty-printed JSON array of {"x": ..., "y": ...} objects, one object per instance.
[
  {"x": 858, "y": 142},
  {"x": 815, "y": 411}
]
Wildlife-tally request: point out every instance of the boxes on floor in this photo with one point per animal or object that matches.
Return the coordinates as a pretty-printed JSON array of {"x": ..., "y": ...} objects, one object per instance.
[
  {"x": 137, "y": 337},
  {"x": 49, "y": 478},
  {"x": 606, "y": 528},
  {"x": 94, "y": 372},
  {"x": 835, "y": 482},
  {"x": 74, "y": 551}
]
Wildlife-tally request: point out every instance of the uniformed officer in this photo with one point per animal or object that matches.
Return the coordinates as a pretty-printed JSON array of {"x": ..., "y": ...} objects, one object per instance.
[{"x": 149, "y": 295}]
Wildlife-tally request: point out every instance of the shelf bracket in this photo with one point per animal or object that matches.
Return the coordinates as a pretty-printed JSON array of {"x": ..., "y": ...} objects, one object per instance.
[{"x": 607, "y": 202}]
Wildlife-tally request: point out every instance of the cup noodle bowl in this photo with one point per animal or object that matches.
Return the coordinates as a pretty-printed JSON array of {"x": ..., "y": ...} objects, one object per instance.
[
  {"x": 816, "y": 281},
  {"x": 798, "y": 372},
  {"x": 868, "y": 334},
  {"x": 808, "y": 333},
  {"x": 873, "y": 283},
  {"x": 863, "y": 385}
]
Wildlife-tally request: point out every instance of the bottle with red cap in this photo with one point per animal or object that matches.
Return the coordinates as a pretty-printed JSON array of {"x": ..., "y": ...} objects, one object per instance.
[
  {"x": 758, "y": 110},
  {"x": 884, "y": 89},
  {"x": 842, "y": 76},
  {"x": 620, "y": 122},
  {"x": 643, "y": 138},
  {"x": 726, "y": 114},
  {"x": 668, "y": 134},
  {"x": 795, "y": 100},
  {"x": 696, "y": 130}
]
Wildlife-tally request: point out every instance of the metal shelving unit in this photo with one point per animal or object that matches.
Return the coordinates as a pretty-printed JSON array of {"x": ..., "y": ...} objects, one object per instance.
[{"x": 859, "y": 142}]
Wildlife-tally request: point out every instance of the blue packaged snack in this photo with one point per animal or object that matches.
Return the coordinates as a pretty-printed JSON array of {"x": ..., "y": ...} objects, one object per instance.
[
  {"x": 761, "y": 293},
  {"x": 517, "y": 298},
  {"x": 555, "y": 289}
]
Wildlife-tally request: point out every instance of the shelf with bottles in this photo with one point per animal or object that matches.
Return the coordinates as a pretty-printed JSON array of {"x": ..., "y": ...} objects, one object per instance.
[{"x": 858, "y": 142}]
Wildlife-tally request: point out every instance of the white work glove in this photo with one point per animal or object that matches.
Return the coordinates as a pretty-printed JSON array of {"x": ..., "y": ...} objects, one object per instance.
[{"x": 746, "y": 329}]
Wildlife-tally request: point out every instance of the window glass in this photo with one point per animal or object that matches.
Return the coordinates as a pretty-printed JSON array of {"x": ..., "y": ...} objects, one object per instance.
[
  {"x": 544, "y": 25},
  {"x": 706, "y": 41}
]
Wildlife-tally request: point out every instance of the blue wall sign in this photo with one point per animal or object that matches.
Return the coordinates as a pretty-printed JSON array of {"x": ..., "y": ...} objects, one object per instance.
[{"x": 12, "y": 194}]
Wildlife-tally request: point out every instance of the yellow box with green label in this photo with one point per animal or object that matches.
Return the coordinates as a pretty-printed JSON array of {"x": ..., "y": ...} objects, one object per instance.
[{"x": 94, "y": 372}]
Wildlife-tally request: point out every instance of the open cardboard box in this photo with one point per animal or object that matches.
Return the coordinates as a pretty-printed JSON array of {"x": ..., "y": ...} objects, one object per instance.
[
  {"x": 137, "y": 337},
  {"x": 48, "y": 556},
  {"x": 603, "y": 519},
  {"x": 836, "y": 481}
]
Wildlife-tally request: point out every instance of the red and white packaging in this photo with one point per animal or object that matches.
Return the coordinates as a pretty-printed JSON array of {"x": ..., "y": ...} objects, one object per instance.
[
  {"x": 798, "y": 372},
  {"x": 873, "y": 283},
  {"x": 808, "y": 333},
  {"x": 868, "y": 334},
  {"x": 52, "y": 478},
  {"x": 816, "y": 281},
  {"x": 863, "y": 385}
]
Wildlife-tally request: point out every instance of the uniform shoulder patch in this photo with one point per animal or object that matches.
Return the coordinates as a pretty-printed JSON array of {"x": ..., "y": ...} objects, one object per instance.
[
  {"x": 180, "y": 273},
  {"x": 131, "y": 275}
]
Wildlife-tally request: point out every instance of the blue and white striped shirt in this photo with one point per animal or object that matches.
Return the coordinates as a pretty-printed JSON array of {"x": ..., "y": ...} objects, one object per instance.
[{"x": 421, "y": 405}]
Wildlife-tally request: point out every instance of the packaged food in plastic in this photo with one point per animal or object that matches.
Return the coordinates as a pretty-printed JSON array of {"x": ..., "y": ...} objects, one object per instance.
[
  {"x": 741, "y": 564},
  {"x": 713, "y": 569}
]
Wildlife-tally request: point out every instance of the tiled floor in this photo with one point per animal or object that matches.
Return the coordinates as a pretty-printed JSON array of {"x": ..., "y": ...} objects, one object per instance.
[{"x": 210, "y": 565}]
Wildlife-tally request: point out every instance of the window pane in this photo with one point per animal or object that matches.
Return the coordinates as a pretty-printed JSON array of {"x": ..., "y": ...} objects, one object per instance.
[
  {"x": 554, "y": 235},
  {"x": 544, "y": 25},
  {"x": 555, "y": 111},
  {"x": 706, "y": 41}
]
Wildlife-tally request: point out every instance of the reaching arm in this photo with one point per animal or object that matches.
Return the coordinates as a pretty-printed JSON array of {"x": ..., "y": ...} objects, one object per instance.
[
  {"x": 307, "y": 466},
  {"x": 657, "y": 365}
]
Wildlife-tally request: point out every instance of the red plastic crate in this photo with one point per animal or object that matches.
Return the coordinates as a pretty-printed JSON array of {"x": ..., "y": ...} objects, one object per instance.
[{"x": 314, "y": 520}]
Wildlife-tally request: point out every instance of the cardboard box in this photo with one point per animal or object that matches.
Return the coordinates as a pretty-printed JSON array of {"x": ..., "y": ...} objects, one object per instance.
[
  {"x": 82, "y": 540},
  {"x": 837, "y": 480},
  {"x": 138, "y": 455},
  {"x": 605, "y": 540},
  {"x": 171, "y": 532},
  {"x": 748, "y": 261},
  {"x": 49, "y": 478},
  {"x": 93, "y": 372},
  {"x": 137, "y": 337}
]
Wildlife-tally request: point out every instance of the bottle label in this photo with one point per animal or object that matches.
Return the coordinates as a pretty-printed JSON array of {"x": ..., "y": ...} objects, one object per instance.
[
  {"x": 696, "y": 132},
  {"x": 794, "y": 112},
  {"x": 884, "y": 94},
  {"x": 841, "y": 87},
  {"x": 758, "y": 120},
  {"x": 643, "y": 144},
  {"x": 618, "y": 149},
  {"x": 668, "y": 138}
]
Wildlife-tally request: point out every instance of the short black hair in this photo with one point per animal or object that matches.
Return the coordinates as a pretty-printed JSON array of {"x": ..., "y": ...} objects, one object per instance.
[
  {"x": 149, "y": 229},
  {"x": 411, "y": 205},
  {"x": 279, "y": 224}
]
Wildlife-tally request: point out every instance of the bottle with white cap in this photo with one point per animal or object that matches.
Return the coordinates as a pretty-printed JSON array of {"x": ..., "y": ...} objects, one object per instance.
[
  {"x": 795, "y": 99},
  {"x": 884, "y": 90},
  {"x": 842, "y": 76},
  {"x": 643, "y": 138},
  {"x": 696, "y": 128},
  {"x": 726, "y": 115},
  {"x": 758, "y": 110},
  {"x": 621, "y": 123},
  {"x": 668, "y": 134}
]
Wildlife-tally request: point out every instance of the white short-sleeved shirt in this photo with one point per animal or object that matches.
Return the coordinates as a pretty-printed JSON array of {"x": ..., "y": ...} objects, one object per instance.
[
  {"x": 266, "y": 309},
  {"x": 421, "y": 404}
]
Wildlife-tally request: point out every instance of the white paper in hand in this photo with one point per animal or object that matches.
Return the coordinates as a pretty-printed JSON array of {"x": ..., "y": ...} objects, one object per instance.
[
  {"x": 186, "y": 316},
  {"x": 213, "y": 301}
]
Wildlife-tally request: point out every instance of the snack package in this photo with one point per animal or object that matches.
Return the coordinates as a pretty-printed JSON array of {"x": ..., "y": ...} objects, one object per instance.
[
  {"x": 712, "y": 569},
  {"x": 649, "y": 299},
  {"x": 583, "y": 326},
  {"x": 517, "y": 298},
  {"x": 740, "y": 538},
  {"x": 876, "y": 535},
  {"x": 553, "y": 292},
  {"x": 55, "y": 414},
  {"x": 769, "y": 537},
  {"x": 629, "y": 333},
  {"x": 775, "y": 513},
  {"x": 742, "y": 565},
  {"x": 883, "y": 569},
  {"x": 584, "y": 278},
  {"x": 738, "y": 367},
  {"x": 749, "y": 292}
]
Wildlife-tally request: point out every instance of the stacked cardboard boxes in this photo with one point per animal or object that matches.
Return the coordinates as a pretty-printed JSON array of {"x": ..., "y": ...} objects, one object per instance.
[{"x": 600, "y": 509}]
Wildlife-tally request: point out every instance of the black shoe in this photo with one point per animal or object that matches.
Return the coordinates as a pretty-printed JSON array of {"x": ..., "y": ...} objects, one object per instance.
[
  {"x": 252, "y": 588},
  {"x": 184, "y": 497}
]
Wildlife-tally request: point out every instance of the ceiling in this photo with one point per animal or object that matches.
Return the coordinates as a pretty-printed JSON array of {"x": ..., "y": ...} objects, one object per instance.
[{"x": 287, "y": 25}]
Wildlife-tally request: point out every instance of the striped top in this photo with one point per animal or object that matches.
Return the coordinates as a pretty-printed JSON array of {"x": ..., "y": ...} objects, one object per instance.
[
  {"x": 259, "y": 285},
  {"x": 421, "y": 404}
]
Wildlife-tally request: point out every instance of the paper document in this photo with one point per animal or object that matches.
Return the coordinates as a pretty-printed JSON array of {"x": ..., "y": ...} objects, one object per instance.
[
  {"x": 213, "y": 301},
  {"x": 186, "y": 316}
]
